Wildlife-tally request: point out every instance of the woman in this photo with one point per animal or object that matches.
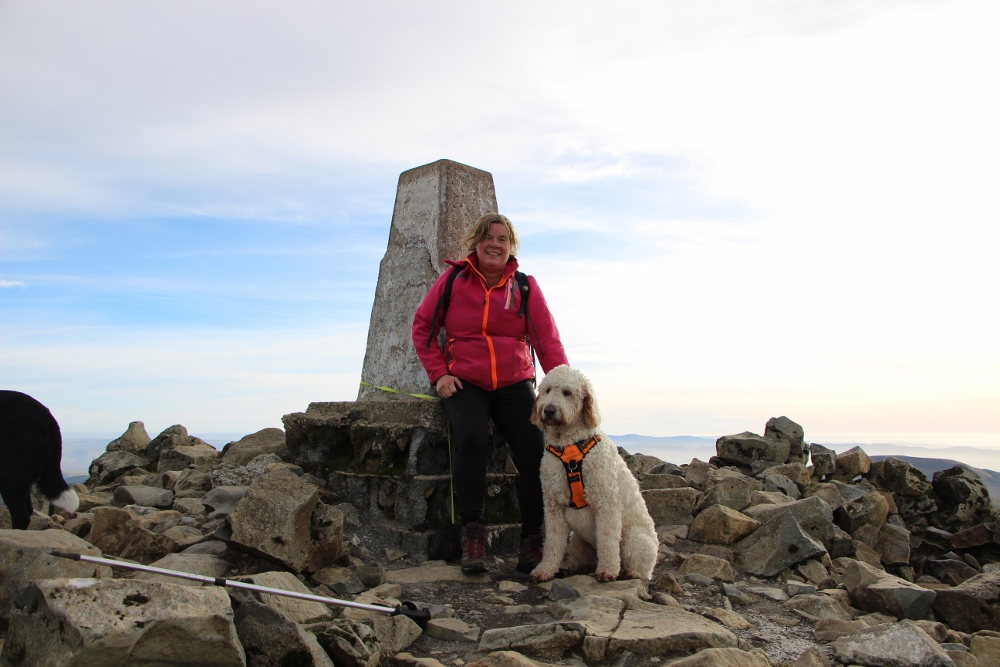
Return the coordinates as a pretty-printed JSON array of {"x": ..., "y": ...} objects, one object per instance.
[{"x": 486, "y": 371}]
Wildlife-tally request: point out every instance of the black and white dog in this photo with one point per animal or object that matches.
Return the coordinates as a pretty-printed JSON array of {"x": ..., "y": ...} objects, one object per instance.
[{"x": 30, "y": 453}]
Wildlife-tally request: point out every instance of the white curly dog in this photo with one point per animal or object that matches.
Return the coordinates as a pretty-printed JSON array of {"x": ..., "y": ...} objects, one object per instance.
[{"x": 602, "y": 506}]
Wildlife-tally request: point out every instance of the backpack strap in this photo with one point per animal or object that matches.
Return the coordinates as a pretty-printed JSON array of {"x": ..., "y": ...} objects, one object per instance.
[
  {"x": 442, "y": 305},
  {"x": 525, "y": 289},
  {"x": 572, "y": 459}
]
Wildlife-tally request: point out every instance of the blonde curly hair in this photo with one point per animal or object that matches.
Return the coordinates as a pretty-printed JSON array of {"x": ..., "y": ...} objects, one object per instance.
[{"x": 481, "y": 229}]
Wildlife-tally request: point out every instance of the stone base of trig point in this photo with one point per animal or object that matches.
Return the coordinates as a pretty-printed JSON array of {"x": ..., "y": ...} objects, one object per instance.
[
  {"x": 389, "y": 459},
  {"x": 385, "y": 453}
]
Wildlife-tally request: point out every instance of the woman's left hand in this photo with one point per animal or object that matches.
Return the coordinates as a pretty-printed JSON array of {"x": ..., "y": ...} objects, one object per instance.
[{"x": 447, "y": 386}]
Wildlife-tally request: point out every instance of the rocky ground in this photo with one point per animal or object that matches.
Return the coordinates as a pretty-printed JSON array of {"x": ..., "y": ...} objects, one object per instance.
[
  {"x": 507, "y": 600},
  {"x": 764, "y": 560},
  {"x": 504, "y": 598}
]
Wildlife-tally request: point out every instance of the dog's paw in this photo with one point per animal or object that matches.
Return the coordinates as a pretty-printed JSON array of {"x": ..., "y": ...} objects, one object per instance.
[
  {"x": 630, "y": 574},
  {"x": 605, "y": 577},
  {"x": 540, "y": 574}
]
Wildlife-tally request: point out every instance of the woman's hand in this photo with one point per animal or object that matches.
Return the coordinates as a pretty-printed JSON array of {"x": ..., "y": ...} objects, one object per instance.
[{"x": 447, "y": 386}]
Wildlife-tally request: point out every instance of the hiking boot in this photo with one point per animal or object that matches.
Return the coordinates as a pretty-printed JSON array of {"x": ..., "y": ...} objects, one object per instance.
[
  {"x": 474, "y": 548},
  {"x": 531, "y": 553}
]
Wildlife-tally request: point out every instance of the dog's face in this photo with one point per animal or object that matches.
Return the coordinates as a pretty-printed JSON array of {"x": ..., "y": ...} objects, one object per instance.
[{"x": 565, "y": 399}]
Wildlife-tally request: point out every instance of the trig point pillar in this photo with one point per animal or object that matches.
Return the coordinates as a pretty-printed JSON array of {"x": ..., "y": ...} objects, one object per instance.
[{"x": 436, "y": 204}]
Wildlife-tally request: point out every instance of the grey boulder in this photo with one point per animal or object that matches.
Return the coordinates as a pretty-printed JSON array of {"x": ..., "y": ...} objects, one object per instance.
[
  {"x": 200, "y": 456},
  {"x": 147, "y": 496},
  {"x": 222, "y": 500},
  {"x": 249, "y": 447},
  {"x": 25, "y": 556},
  {"x": 671, "y": 506},
  {"x": 971, "y": 606},
  {"x": 281, "y": 518},
  {"x": 109, "y": 466},
  {"x": 746, "y": 448},
  {"x": 271, "y": 638},
  {"x": 900, "y": 644},
  {"x": 779, "y": 543},
  {"x": 874, "y": 590},
  {"x": 134, "y": 439},
  {"x": 70, "y": 622}
]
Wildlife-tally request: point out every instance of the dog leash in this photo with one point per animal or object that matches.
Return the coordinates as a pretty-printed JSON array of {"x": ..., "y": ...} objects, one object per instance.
[{"x": 428, "y": 397}]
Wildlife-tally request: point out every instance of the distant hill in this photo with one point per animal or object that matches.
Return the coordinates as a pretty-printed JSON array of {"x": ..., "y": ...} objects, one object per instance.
[
  {"x": 677, "y": 440},
  {"x": 980, "y": 457},
  {"x": 675, "y": 449}
]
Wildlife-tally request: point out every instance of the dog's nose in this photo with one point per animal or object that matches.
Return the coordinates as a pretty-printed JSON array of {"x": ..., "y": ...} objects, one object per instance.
[{"x": 549, "y": 412}]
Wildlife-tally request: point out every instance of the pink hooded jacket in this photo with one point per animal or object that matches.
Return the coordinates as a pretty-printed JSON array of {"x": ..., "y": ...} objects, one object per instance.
[{"x": 486, "y": 337}]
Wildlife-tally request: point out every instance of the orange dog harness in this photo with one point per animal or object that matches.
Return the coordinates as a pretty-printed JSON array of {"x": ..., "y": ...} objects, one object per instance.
[{"x": 572, "y": 459}]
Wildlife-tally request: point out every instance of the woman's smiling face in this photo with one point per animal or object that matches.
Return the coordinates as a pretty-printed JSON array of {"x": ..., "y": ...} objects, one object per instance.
[{"x": 494, "y": 251}]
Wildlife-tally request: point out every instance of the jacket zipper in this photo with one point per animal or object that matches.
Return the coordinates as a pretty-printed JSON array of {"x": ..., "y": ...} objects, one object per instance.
[
  {"x": 486, "y": 317},
  {"x": 451, "y": 354}
]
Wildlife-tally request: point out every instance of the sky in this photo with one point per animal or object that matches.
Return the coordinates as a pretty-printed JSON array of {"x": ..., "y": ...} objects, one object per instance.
[{"x": 736, "y": 209}]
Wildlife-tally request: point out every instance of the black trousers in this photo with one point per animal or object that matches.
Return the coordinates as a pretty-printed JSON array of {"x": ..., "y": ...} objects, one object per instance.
[{"x": 469, "y": 412}]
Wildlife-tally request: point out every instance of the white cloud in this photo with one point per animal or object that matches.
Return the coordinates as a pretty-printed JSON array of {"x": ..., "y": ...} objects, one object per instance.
[
  {"x": 11, "y": 283},
  {"x": 748, "y": 95}
]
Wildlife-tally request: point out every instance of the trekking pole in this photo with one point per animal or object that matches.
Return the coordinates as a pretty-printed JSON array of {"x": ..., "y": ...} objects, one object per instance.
[{"x": 408, "y": 609}]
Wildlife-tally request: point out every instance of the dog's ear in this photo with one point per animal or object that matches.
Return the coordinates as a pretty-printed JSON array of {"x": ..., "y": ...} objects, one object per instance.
[
  {"x": 536, "y": 413},
  {"x": 590, "y": 413}
]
